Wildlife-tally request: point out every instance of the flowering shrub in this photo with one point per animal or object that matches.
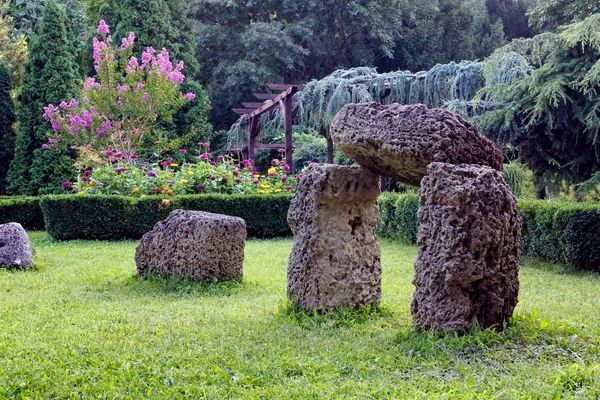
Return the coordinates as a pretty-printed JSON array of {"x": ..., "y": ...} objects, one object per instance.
[
  {"x": 167, "y": 178},
  {"x": 120, "y": 108}
]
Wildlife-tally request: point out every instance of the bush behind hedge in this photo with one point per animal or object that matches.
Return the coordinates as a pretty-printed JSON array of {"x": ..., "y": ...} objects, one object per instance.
[{"x": 70, "y": 217}]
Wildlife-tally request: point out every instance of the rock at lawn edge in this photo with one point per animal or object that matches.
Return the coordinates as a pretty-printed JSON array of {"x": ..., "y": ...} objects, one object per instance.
[{"x": 15, "y": 247}]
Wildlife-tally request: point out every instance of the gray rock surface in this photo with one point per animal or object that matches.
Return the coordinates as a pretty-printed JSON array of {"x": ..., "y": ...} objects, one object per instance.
[
  {"x": 197, "y": 245},
  {"x": 335, "y": 260},
  {"x": 400, "y": 141},
  {"x": 469, "y": 249},
  {"x": 15, "y": 247}
]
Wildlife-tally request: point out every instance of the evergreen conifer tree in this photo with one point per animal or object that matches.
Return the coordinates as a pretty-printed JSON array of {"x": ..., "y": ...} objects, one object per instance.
[
  {"x": 50, "y": 76},
  {"x": 7, "y": 118}
]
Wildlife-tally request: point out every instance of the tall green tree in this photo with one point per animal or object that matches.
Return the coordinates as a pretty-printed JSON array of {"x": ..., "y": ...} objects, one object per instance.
[
  {"x": 547, "y": 15},
  {"x": 7, "y": 119},
  {"x": 556, "y": 105},
  {"x": 51, "y": 75}
]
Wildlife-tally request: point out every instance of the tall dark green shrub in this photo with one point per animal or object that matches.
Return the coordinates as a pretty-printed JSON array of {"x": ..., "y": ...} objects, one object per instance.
[
  {"x": 51, "y": 76},
  {"x": 7, "y": 119}
]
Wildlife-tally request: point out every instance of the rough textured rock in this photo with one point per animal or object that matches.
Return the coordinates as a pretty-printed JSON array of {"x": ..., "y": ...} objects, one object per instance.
[
  {"x": 335, "y": 260},
  {"x": 15, "y": 247},
  {"x": 197, "y": 245},
  {"x": 400, "y": 141},
  {"x": 469, "y": 249}
]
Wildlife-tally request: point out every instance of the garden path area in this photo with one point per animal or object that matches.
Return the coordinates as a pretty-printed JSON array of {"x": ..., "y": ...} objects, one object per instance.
[{"x": 83, "y": 325}]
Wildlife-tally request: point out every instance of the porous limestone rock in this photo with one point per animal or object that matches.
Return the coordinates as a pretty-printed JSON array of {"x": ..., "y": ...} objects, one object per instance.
[
  {"x": 15, "y": 248},
  {"x": 198, "y": 245},
  {"x": 335, "y": 260},
  {"x": 469, "y": 249},
  {"x": 400, "y": 141}
]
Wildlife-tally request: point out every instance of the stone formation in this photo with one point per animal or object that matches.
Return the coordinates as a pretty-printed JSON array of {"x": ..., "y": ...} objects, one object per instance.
[
  {"x": 469, "y": 229},
  {"x": 195, "y": 245}
]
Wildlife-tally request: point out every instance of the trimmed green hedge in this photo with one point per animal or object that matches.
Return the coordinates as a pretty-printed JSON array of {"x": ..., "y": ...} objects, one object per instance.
[
  {"x": 24, "y": 210},
  {"x": 560, "y": 232},
  {"x": 116, "y": 217}
]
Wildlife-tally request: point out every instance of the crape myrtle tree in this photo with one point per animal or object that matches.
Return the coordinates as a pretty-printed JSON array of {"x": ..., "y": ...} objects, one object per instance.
[
  {"x": 50, "y": 75},
  {"x": 165, "y": 24},
  {"x": 7, "y": 119}
]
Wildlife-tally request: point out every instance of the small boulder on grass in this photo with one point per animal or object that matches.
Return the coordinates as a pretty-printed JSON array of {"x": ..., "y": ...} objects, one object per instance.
[
  {"x": 195, "y": 245},
  {"x": 15, "y": 248}
]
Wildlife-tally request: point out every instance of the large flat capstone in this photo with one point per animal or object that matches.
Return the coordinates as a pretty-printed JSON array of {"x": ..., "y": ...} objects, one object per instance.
[
  {"x": 335, "y": 259},
  {"x": 469, "y": 249},
  {"x": 15, "y": 247},
  {"x": 197, "y": 245},
  {"x": 400, "y": 141}
]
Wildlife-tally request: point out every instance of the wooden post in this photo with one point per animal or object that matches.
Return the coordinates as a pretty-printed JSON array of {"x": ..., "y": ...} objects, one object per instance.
[
  {"x": 286, "y": 110},
  {"x": 253, "y": 130}
]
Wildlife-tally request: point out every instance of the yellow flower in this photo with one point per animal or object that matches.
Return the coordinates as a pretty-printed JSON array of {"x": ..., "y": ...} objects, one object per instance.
[
  {"x": 261, "y": 192},
  {"x": 80, "y": 192},
  {"x": 272, "y": 171},
  {"x": 135, "y": 190},
  {"x": 278, "y": 191},
  {"x": 262, "y": 176},
  {"x": 170, "y": 192},
  {"x": 118, "y": 186},
  {"x": 174, "y": 165},
  {"x": 92, "y": 184},
  {"x": 184, "y": 181},
  {"x": 190, "y": 173},
  {"x": 142, "y": 196},
  {"x": 256, "y": 176}
]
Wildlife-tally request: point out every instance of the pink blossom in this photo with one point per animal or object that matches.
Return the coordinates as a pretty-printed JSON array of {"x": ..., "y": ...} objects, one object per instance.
[
  {"x": 120, "y": 102},
  {"x": 122, "y": 88},
  {"x": 45, "y": 146},
  {"x": 145, "y": 97},
  {"x": 119, "y": 155},
  {"x": 100, "y": 132},
  {"x": 102, "y": 27},
  {"x": 73, "y": 104},
  {"x": 52, "y": 141},
  {"x": 109, "y": 154},
  {"x": 288, "y": 188},
  {"x": 134, "y": 157},
  {"x": 175, "y": 77},
  {"x": 140, "y": 86},
  {"x": 189, "y": 96},
  {"x": 179, "y": 66},
  {"x": 86, "y": 100},
  {"x": 107, "y": 125},
  {"x": 182, "y": 151},
  {"x": 63, "y": 105}
]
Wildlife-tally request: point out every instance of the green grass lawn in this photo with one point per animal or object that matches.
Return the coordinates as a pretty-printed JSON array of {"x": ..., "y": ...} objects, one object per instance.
[{"x": 82, "y": 325}]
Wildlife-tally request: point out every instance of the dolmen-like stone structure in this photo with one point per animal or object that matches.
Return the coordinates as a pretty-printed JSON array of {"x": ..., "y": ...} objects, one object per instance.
[
  {"x": 335, "y": 260},
  {"x": 15, "y": 247},
  {"x": 195, "y": 245},
  {"x": 469, "y": 229}
]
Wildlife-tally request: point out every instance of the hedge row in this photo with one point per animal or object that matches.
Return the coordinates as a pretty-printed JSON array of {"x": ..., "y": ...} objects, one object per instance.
[
  {"x": 116, "y": 217},
  {"x": 24, "y": 210},
  {"x": 567, "y": 233}
]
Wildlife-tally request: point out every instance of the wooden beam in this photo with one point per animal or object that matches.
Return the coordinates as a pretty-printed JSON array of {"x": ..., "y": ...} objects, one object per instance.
[
  {"x": 279, "y": 87},
  {"x": 265, "y": 96},
  {"x": 253, "y": 105},
  {"x": 242, "y": 111},
  {"x": 275, "y": 103},
  {"x": 253, "y": 131},
  {"x": 286, "y": 108}
]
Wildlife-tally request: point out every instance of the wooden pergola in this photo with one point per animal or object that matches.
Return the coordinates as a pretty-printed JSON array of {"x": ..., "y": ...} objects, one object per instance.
[{"x": 272, "y": 101}]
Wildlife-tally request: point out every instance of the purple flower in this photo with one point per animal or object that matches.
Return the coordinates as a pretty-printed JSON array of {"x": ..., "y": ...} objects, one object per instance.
[
  {"x": 286, "y": 168},
  {"x": 66, "y": 185},
  {"x": 298, "y": 177},
  {"x": 45, "y": 146},
  {"x": 236, "y": 172},
  {"x": 88, "y": 172},
  {"x": 189, "y": 96},
  {"x": 182, "y": 151},
  {"x": 106, "y": 125},
  {"x": 312, "y": 163},
  {"x": 122, "y": 88},
  {"x": 165, "y": 163},
  {"x": 284, "y": 179},
  {"x": 281, "y": 150},
  {"x": 246, "y": 162},
  {"x": 140, "y": 86},
  {"x": 109, "y": 154},
  {"x": 119, "y": 155},
  {"x": 102, "y": 27},
  {"x": 200, "y": 187},
  {"x": 204, "y": 156},
  {"x": 289, "y": 188},
  {"x": 119, "y": 170},
  {"x": 134, "y": 157},
  {"x": 238, "y": 180},
  {"x": 100, "y": 132},
  {"x": 85, "y": 178},
  {"x": 256, "y": 181},
  {"x": 213, "y": 163},
  {"x": 220, "y": 158},
  {"x": 274, "y": 162},
  {"x": 145, "y": 97},
  {"x": 151, "y": 173},
  {"x": 205, "y": 144}
]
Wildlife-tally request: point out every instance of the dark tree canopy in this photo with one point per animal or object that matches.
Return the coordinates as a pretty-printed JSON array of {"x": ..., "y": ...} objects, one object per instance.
[
  {"x": 50, "y": 76},
  {"x": 547, "y": 15},
  {"x": 7, "y": 119}
]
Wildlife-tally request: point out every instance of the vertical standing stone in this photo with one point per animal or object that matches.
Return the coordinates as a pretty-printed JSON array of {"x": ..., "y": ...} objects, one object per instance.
[
  {"x": 469, "y": 249},
  {"x": 335, "y": 260}
]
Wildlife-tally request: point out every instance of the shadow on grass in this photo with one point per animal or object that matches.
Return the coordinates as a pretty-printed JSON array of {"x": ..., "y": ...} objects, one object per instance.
[{"x": 292, "y": 312}]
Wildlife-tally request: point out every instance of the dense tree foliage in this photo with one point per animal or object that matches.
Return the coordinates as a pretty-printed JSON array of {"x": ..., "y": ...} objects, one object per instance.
[
  {"x": 13, "y": 46},
  {"x": 7, "y": 119},
  {"x": 50, "y": 76},
  {"x": 556, "y": 105},
  {"x": 242, "y": 45},
  {"x": 549, "y": 14}
]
